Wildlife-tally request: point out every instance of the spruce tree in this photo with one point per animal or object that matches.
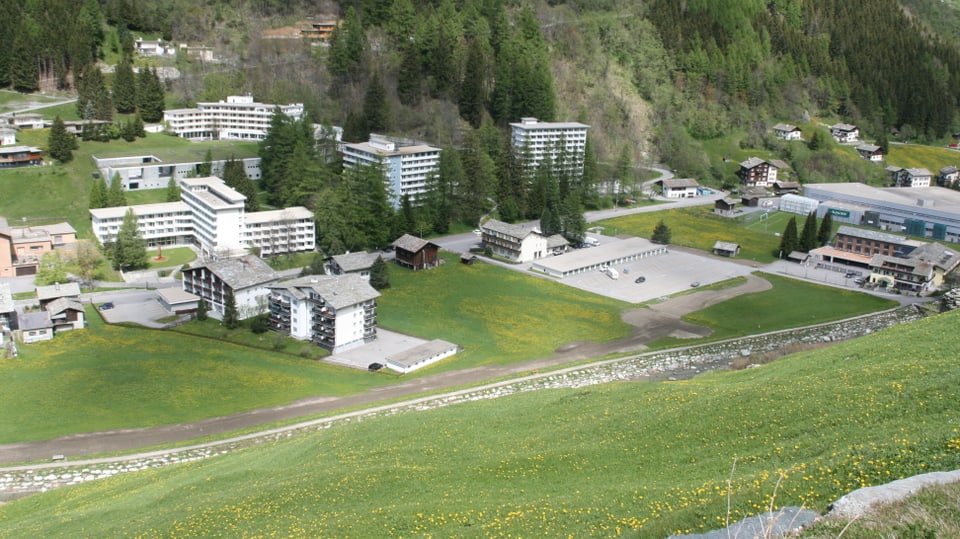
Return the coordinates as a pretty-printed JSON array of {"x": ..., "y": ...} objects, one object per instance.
[
  {"x": 231, "y": 316},
  {"x": 472, "y": 94},
  {"x": 826, "y": 229},
  {"x": 173, "y": 190},
  {"x": 808, "y": 237},
  {"x": 150, "y": 95},
  {"x": 788, "y": 241},
  {"x": 409, "y": 76},
  {"x": 379, "y": 274},
  {"x": 661, "y": 233},
  {"x": 376, "y": 108},
  {"x": 98, "y": 194},
  {"x": 124, "y": 87},
  {"x": 61, "y": 143},
  {"x": 24, "y": 75},
  {"x": 202, "y": 309},
  {"x": 115, "y": 194},
  {"x": 236, "y": 177},
  {"x": 129, "y": 249}
]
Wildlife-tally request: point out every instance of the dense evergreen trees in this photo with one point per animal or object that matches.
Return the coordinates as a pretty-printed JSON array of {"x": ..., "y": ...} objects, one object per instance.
[{"x": 60, "y": 142}]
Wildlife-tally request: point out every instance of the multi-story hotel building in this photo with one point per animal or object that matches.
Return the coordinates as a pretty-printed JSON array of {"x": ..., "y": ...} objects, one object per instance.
[
  {"x": 337, "y": 312},
  {"x": 210, "y": 216},
  {"x": 246, "y": 277},
  {"x": 561, "y": 141},
  {"x": 406, "y": 166},
  {"x": 237, "y": 118}
]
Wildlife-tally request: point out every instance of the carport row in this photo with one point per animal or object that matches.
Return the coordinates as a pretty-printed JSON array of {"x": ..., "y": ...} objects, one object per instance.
[{"x": 596, "y": 258}]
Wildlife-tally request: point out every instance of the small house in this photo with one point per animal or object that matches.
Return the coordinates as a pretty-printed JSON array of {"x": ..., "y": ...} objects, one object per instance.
[
  {"x": 726, "y": 207},
  {"x": 948, "y": 176},
  {"x": 680, "y": 188},
  {"x": 725, "y": 248},
  {"x": 787, "y": 132},
  {"x": 870, "y": 152},
  {"x": 416, "y": 253},
  {"x": 756, "y": 172},
  {"x": 781, "y": 187},
  {"x": 360, "y": 263},
  {"x": 845, "y": 133},
  {"x": 35, "y": 327}
]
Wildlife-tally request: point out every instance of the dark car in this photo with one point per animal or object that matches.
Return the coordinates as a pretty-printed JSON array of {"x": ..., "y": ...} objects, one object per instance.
[
  {"x": 107, "y": 306},
  {"x": 851, "y": 274},
  {"x": 374, "y": 367},
  {"x": 695, "y": 284},
  {"x": 640, "y": 279}
]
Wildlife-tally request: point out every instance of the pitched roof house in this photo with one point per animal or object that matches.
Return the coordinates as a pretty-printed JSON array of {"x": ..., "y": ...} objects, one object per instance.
[
  {"x": 247, "y": 277},
  {"x": 35, "y": 327},
  {"x": 516, "y": 242},
  {"x": 948, "y": 176},
  {"x": 680, "y": 188},
  {"x": 416, "y": 253},
  {"x": 359, "y": 263},
  {"x": 756, "y": 172},
  {"x": 845, "y": 132},
  {"x": 47, "y": 294},
  {"x": 337, "y": 312},
  {"x": 66, "y": 314},
  {"x": 910, "y": 177},
  {"x": 787, "y": 132},
  {"x": 870, "y": 152}
]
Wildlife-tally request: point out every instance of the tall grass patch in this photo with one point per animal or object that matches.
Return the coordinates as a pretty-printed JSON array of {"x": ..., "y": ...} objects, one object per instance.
[{"x": 633, "y": 459}]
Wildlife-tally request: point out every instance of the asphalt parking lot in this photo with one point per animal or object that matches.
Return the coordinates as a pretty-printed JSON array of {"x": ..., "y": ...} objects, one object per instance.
[{"x": 665, "y": 274}]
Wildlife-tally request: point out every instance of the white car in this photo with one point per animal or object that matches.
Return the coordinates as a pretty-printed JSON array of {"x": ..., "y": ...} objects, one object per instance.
[{"x": 477, "y": 231}]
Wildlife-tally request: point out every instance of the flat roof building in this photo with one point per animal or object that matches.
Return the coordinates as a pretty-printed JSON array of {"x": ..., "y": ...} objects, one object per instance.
[
  {"x": 563, "y": 143},
  {"x": 151, "y": 172},
  {"x": 407, "y": 166},
  {"x": 237, "y": 118}
]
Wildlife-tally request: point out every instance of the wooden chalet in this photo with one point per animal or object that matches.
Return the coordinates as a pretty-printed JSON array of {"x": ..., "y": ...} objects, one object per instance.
[{"x": 416, "y": 253}]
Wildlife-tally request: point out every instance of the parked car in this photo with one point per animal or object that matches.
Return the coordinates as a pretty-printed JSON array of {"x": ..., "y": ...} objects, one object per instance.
[
  {"x": 695, "y": 284},
  {"x": 640, "y": 279},
  {"x": 858, "y": 280},
  {"x": 851, "y": 274},
  {"x": 477, "y": 231},
  {"x": 107, "y": 306},
  {"x": 374, "y": 367}
]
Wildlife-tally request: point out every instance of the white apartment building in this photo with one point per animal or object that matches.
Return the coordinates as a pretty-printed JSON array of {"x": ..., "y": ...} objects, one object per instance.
[
  {"x": 237, "y": 118},
  {"x": 535, "y": 140},
  {"x": 210, "y": 217},
  {"x": 150, "y": 172},
  {"x": 246, "y": 277},
  {"x": 337, "y": 312},
  {"x": 406, "y": 166},
  {"x": 280, "y": 231}
]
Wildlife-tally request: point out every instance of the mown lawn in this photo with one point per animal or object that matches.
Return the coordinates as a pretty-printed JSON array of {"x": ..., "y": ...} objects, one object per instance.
[
  {"x": 623, "y": 459},
  {"x": 497, "y": 315}
]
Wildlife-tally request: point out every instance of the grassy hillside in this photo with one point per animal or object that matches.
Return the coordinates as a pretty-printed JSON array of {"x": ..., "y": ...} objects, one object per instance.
[{"x": 634, "y": 459}]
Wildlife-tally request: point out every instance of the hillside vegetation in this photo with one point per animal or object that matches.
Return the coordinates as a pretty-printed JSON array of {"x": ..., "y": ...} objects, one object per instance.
[{"x": 634, "y": 459}]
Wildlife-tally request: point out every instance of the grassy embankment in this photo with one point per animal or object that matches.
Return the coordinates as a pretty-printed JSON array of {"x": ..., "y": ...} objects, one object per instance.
[{"x": 634, "y": 459}]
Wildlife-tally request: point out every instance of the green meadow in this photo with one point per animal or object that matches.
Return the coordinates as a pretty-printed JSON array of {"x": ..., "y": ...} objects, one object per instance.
[{"x": 628, "y": 459}]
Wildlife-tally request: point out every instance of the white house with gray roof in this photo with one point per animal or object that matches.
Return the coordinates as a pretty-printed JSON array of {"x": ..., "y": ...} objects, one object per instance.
[
  {"x": 518, "y": 242},
  {"x": 360, "y": 263},
  {"x": 680, "y": 188},
  {"x": 337, "y": 312},
  {"x": 248, "y": 277}
]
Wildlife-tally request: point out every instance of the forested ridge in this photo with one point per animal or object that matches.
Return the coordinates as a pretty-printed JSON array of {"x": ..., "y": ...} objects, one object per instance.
[{"x": 656, "y": 80}]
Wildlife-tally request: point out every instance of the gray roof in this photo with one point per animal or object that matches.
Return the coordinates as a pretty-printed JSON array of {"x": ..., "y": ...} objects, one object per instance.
[
  {"x": 868, "y": 148},
  {"x": 871, "y": 234},
  {"x": 948, "y": 170},
  {"x": 242, "y": 272},
  {"x": 726, "y": 246},
  {"x": 358, "y": 261},
  {"x": 176, "y": 295},
  {"x": 556, "y": 240},
  {"x": 59, "y": 305},
  {"x": 786, "y": 184},
  {"x": 938, "y": 255},
  {"x": 919, "y": 172},
  {"x": 411, "y": 243},
  {"x": 59, "y": 290},
  {"x": 785, "y": 127},
  {"x": 409, "y": 358},
  {"x": 518, "y": 231},
  {"x": 918, "y": 267},
  {"x": 34, "y": 320},
  {"x": 752, "y": 162},
  {"x": 778, "y": 163},
  {"x": 679, "y": 183},
  {"x": 843, "y": 127},
  {"x": 338, "y": 290}
]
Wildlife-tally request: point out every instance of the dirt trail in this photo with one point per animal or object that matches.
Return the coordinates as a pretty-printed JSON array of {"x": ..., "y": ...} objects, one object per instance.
[{"x": 652, "y": 323}]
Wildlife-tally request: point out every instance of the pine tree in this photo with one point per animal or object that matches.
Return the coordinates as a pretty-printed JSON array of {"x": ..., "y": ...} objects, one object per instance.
[
  {"x": 236, "y": 177},
  {"x": 60, "y": 142},
  {"x": 808, "y": 237},
  {"x": 409, "y": 76},
  {"x": 138, "y": 127},
  {"x": 129, "y": 249},
  {"x": 115, "y": 194},
  {"x": 661, "y": 233},
  {"x": 206, "y": 168},
  {"x": 347, "y": 46},
  {"x": 98, "y": 194},
  {"x": 124, "y": 87},
  {"x": 231, "y": 316},
  {"x": 173, "y": 190},
  {"x": 472, "y": 94},
  {"x": 826, "y": 229},
  {"x": 788, "y": 241},
  {"x": 24, "y": 74},
  {"x": 379, "y": 274},
  {"x": 150, "y": 95},
  {"x": 376, "y": 108},
  {"x": 202, "y": 309}
]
